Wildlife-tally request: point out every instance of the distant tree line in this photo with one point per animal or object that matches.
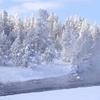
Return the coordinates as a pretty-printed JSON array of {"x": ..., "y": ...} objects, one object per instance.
[{"x": 29, "y": 41}]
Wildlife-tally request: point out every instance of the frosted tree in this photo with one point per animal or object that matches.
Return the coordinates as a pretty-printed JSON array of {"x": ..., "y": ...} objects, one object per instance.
[
  {"x": 4, "y": 43},
  {"x": 16, "y": 52},
  {"x": 41, "y": 34},
  {"x": 7, "y": 23},
  {"x": 87, "y": 57},
  {"x": 16, "y": 47},
  {"x": 83, "y": 47},
  {"x": 29, "y": 49},
  {"x": 70, "y": 35},
  {"x": 55, "y": 30},
  {"x": 28, "y": 25}
]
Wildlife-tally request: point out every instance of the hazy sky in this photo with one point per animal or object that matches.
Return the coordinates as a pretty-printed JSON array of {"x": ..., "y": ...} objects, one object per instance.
[{"x": 63, "y": 8}]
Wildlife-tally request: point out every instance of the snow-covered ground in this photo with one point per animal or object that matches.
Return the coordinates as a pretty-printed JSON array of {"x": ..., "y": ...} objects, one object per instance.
[
  {"x": 89, "y": 93},
  {"x": 14, "y": 74}
]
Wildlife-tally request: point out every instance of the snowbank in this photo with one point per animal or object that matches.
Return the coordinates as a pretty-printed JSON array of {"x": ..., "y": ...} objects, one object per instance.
[
  {"x": 14, "y": 74},
  {"x": 89, "y": 93}
]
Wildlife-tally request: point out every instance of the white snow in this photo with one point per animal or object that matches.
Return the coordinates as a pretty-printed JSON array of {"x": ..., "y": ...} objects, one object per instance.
[
  {"x": 89, "y": 93},
  {"x": 14, "y": 74}
]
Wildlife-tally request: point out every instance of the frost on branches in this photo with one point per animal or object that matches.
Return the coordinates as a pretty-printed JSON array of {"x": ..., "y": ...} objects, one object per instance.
[{"x": 44, "y": 39}]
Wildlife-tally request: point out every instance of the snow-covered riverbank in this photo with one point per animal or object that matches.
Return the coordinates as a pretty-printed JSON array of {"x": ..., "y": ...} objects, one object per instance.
[{"x": 15, "y": 74}]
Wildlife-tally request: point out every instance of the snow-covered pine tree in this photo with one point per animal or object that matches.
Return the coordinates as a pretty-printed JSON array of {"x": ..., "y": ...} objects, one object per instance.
[{"x": 16, "y": 49}]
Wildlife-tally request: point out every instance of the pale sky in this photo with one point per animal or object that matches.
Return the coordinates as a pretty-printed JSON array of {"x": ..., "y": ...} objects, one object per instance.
[{"x": 88, "y": 9}]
